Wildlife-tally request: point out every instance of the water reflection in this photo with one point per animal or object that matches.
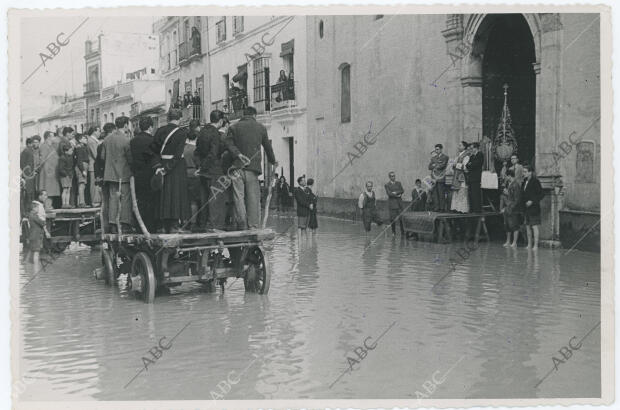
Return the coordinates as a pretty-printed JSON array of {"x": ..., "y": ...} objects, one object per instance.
[{"x": 505, "y": 310}]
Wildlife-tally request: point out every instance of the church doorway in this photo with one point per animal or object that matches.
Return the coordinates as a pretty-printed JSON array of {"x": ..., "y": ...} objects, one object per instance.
[{"x": 508, "y": 59}]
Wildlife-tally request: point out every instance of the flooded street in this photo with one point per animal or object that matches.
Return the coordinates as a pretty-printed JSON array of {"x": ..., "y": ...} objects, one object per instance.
[{"x": 490, "y": 328}]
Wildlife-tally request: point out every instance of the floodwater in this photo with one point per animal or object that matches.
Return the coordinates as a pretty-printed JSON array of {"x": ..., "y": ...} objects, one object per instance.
[{"x": 489, "y": 329}]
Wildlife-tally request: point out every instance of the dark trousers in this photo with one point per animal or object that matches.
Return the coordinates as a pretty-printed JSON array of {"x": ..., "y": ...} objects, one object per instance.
[
  {"x": 148, "y": 205},
  {"x": 439, "y": 196},
  {"x": 475, "y": 197},
  {"x": 370, "y": 215},
  {"x": 396, "y": 217}
]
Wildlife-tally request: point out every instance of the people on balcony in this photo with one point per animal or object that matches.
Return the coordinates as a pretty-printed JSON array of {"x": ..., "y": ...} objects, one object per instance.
[
  {"x": 237, "y": 95},
  {"x": 285, "y": 87},
  {"x": 177, "y": 104},
  {"x": 187, "y": 99},
  {"x": 197, "y": 105}
]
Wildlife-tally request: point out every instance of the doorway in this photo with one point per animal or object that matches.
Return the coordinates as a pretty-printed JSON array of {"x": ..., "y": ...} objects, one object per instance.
[
  {"x": 508, "y": 59},
  {"x": 291, "y": 161}
]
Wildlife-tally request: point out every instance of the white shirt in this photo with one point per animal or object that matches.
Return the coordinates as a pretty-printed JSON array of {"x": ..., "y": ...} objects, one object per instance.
[{"x": 360, "y": 202}]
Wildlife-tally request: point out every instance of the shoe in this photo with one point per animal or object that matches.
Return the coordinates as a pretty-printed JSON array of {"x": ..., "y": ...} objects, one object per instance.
[
  {"x": 506, "y": 244},
  {"x": 82, "y": 206}
]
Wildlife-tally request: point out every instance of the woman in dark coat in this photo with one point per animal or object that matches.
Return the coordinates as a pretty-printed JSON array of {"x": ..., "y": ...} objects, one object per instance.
[
  {"x": 283, "y": 194},
  {"x": 313, "y": 223},
  {"x": 169, "y": 146},
  {"x": 532, "y": 194}
]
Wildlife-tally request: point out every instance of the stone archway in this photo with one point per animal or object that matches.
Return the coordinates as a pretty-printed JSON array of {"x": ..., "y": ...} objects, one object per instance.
[
  {"x": 504, "y": 49},
  {"x": 472, "y": 33}
]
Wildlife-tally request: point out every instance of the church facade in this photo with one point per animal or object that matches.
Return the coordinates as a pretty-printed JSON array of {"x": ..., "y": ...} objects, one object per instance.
[{"x": 408, "y": 82}]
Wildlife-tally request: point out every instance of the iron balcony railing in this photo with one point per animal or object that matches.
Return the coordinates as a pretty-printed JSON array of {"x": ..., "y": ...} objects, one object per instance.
[
  {"x": 283, "y": 95},
  {"x": 183, "y": 51},
  {"x": 233, "y": 106}
]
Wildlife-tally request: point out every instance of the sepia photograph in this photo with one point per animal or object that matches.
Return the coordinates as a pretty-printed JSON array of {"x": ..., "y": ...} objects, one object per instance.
[{"x": 288, "y": 207}]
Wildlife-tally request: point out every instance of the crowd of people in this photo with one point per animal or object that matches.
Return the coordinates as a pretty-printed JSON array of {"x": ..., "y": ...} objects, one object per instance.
[
  {"x": 454, "y": 185},
  {"x": 203, "y": 178},
  {"x": 196, "y": 178}
]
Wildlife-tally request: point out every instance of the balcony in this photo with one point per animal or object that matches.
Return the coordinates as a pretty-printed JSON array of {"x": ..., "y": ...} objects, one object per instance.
[
  {"x": 192, "y": 112},
  {"x": 283, "y": 95},
  {"x": 189, "y": 51},
  {"x": 183, "y": 51},
  {"x": 233, "y": 106},
  {"x": 91, "y": 87}
]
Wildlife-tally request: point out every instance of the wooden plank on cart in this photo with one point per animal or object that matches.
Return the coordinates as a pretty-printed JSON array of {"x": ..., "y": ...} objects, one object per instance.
[
  {"x": 178, "y": 239},
  {"x": 72, "y": 212}
]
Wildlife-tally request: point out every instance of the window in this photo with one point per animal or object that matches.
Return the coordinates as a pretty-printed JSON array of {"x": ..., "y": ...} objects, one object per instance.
[
  {"x": 220, "y": 28},
  {"x": 111, "y": 117},
  {"x": 186, "y": 32},
  {"x": 174, "y": 61},
  {"x": 345, "y": 93},
  {"x": 261, "y": 79},
  {"x": 237, "y": 25},
  {"x": 105, "y": 118},
  {"x": 585, "y": 166},
  {"x": 321, "y": 29},
  {"x": 97, "y": 114}
]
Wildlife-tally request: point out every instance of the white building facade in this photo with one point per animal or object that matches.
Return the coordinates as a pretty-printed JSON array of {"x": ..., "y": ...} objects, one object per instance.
[
  {"x": 260, "y": 61},
  {"x": 113, "y": 59},
  {"x": 182, "y": 62}
]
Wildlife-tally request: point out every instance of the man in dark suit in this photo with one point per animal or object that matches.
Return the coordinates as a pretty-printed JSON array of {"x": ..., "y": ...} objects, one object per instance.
[
  {"x": 210, "y": 148},
  {"x": 141, "y": 167},
  {"x": 394, "y": 191},
  {"x": 168, "y": 146},
  {"x": 116, "y": 155},
  {"x": 244, "y": 140},
  {"x": 437, "y": 166},
  {"x": 473, "y": 174}
]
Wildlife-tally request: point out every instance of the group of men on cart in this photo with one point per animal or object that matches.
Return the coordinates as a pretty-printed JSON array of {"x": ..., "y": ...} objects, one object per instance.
[{"x": 225, "y": 162}]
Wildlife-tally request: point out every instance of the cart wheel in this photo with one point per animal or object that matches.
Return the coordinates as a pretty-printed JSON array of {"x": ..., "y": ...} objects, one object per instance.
[
  {"x": 143, "y": 277},
  {"x": 108, "y": 261},
  {"x": 258, "y": 274}
]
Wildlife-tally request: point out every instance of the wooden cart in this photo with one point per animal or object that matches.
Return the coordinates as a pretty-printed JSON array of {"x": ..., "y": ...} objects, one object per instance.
[
  {"x": 73, "y": 224},
  {"x": 158, "y": 261}
]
